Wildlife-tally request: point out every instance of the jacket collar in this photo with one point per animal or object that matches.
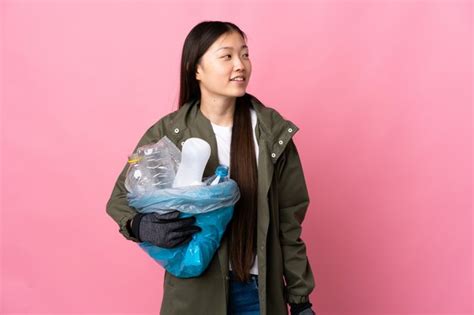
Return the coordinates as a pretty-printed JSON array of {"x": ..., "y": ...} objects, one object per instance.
[{"x": 272, "y": 129}]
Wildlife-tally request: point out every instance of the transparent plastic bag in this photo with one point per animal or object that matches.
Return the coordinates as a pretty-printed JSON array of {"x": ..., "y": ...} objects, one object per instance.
[
  {"x": 192, "y": 199},
  {"x": 212, "y": 206}
]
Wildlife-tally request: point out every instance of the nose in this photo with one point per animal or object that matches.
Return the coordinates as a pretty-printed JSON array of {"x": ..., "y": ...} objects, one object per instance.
[{"x": 238, "y": 64}]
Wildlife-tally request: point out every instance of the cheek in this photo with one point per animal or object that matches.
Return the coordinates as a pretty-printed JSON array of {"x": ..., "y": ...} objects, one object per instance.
[
  {"x": 249, "y": 66},
  {"x": 224, "y": 70},
  {"x": 222, "y": 74}
]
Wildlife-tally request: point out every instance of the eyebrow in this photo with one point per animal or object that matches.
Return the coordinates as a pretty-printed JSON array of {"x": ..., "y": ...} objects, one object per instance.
[{"x": 227, "y": 47}]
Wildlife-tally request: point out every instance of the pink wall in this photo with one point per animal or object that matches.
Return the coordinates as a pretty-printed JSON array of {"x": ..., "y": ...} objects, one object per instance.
[{"x": 382, "y": 92}]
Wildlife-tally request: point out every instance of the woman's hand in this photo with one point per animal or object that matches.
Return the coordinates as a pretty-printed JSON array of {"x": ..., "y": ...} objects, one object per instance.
[
  {"x": 308, "y": 311},
  {"x": 301, "y": 309},
  {"x": 164, "y": 230}
]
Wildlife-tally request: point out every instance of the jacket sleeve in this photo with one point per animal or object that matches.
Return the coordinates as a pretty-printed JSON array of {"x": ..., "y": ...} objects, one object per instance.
[
  {"x": 293, "y": 199},
  {"x": 117, "y": 207}
]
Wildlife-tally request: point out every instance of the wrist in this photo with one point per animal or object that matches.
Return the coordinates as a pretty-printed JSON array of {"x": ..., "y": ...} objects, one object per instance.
[
  {"x": 128, "y": 226},
  {"x": 135, "y": 225}
]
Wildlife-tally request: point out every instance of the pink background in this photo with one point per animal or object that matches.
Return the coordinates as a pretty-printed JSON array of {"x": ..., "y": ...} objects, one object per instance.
[{"x": 382, "y": 93}]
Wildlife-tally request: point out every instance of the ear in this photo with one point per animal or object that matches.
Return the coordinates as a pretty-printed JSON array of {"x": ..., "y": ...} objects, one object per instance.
[{"x": 198, "y": 72}]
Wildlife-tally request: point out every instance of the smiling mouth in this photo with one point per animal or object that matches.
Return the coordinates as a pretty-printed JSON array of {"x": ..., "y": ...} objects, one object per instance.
[
  {"x": 238, "y": 78},
  {"x": 239, "y": 82}
]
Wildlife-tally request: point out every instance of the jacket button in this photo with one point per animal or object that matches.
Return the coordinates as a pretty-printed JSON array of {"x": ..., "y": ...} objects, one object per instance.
[
  {"x": 290, "y": 129},
  {"x": 280, "y": 142},
  {"x": 182, "y": 143},
  {"x": 176, "y": 130},
  {"x": 273, "y": 155},
  {"x": 262, "y": 247}
]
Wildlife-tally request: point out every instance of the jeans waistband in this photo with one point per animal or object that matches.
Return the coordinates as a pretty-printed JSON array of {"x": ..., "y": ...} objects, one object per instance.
[{"x": 233, "y": 277}]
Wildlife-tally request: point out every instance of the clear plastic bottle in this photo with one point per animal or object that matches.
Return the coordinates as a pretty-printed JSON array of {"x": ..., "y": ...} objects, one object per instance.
[
  {"x": 221, "y": 175},
  {"x": 136, "y": 174}
]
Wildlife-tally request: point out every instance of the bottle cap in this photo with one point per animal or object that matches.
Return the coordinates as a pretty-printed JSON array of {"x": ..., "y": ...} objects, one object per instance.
[
  {"x": 134, "y": 158},
  {"x": 222, "y": 170}
]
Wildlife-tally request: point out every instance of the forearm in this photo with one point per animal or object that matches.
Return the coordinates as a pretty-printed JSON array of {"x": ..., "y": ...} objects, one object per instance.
[
  {"x": 118, "y": 208},
  {"x": 297, "y": 270},
  {"x": 293, "y": 204}
]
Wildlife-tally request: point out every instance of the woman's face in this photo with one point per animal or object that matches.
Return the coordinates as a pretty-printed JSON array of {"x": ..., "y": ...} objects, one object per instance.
[{"x": 227, "y": 58}]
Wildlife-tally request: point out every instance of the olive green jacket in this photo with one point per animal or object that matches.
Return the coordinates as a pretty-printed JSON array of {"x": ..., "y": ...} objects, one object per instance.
[{"x": 285, "y": 274}]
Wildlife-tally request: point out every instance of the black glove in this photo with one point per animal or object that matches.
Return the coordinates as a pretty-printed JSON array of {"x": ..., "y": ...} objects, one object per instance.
[
  {"x": 301, "y": 308},
  {"x": 164, "y": 230}
]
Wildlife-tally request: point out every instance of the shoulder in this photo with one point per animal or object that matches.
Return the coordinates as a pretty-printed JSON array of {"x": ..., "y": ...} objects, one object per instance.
[
  {"x": 277, "y": 129},
  {"x": 266, "y": 112}
]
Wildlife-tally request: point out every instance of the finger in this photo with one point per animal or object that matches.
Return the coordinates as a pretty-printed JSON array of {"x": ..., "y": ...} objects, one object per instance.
[
  {"x": 174, "y": 225},
  {"x": 171, "y": 215},
  {"x": 185, "y": 233},
  {"x": 189, "y": 228},
  {"x": 181, "y": 241},
  {"x": 166, "y": 216}
]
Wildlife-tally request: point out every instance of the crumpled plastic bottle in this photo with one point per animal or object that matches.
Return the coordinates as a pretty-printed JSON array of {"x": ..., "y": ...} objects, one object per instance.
[{"x": 152, "y": 167}]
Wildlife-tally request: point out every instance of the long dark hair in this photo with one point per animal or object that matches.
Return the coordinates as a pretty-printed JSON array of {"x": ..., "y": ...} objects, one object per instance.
[{"x": 242, "y": 230}]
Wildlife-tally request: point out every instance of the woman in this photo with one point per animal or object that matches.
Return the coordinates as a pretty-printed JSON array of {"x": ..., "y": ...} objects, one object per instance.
[{"x": 261, "y": 264}]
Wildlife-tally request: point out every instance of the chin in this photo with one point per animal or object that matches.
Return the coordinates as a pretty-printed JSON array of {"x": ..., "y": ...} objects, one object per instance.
[
  {"x": 235, "y": 93},
  {"x": 240, "y": 93}
]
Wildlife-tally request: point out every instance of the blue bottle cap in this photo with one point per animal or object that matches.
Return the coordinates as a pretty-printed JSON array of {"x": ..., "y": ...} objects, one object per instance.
[{"x": 222, "y": 171}]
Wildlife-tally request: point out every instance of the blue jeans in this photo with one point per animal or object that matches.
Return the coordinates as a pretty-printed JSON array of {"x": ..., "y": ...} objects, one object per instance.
[{"x": 243, "y": 297}]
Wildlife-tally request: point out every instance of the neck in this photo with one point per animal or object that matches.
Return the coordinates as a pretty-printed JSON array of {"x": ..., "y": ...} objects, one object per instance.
[{"x": 219, "y": 111}]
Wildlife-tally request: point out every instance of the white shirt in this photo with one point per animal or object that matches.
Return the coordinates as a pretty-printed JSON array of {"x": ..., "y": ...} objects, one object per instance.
[{"x": 224, "y": 138}]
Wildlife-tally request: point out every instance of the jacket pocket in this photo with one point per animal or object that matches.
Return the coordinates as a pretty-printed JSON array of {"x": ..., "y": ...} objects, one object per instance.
[{"x": 197, "y": 296}]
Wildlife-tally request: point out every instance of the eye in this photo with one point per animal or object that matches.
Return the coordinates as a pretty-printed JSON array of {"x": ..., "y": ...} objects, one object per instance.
[{"x": 230, "y": 56}]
